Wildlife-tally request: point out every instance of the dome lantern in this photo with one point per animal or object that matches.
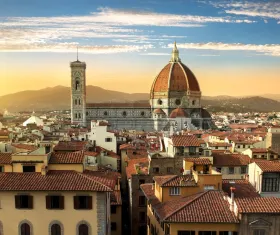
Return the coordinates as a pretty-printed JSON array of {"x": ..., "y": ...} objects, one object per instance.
[{"x": 175, "y": 54}]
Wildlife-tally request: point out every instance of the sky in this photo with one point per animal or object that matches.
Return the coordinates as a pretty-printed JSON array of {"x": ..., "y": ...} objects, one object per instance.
[{"x": 233, "y": 47}]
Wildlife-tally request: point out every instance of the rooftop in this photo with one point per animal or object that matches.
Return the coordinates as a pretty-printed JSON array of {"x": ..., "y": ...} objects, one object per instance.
[
  {"x": 258, "y": 205},
  {"x": 243, "y": 188},
  {"x": 224, "y": 159},
  {"x": 185, "y": 140},
  {"x": 52, "y": 181}
]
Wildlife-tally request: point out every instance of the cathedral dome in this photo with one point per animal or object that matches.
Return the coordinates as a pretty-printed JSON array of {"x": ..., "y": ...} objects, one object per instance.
[
  {"x": 178, "y": 113},
  {"x": 175, "y": 77},
  {"x": 159, "y": 111}
]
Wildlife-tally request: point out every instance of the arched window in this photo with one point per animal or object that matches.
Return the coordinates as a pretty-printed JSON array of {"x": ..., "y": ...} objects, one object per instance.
[
  {"x": 75, "y": 101},
  {"x": 79, "y": 101},
  {"x": 55, "y": 229},
  {"x": 25, "y": 229},
  {"x": 83, "y": 229},
  {"x": 77, "y": 85},
  {"x": 79, "y": 115},
  {"x": 76, "y": 115}
]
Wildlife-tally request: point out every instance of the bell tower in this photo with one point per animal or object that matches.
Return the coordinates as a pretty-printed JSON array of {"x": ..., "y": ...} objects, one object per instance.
[{"x": 78, "y": 92}]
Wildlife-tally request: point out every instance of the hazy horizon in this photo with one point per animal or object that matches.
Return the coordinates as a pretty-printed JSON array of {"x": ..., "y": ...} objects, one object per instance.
[{"x": 232, "y": 48}]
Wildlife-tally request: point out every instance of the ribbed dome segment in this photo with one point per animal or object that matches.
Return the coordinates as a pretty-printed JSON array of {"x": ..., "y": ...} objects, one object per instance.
[
  {"x": 175, "y": 76},
  {"x": 178, "y": 113}
]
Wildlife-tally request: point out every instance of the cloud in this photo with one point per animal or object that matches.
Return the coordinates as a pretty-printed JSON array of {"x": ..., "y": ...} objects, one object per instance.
[
  {"x": 267, "y": 9},
  {"x": 72, "y": 47},
  {"x": 117, "y": 26},
  {"x": 266, "y": 49},
  {"x": 156, "y": 54}
]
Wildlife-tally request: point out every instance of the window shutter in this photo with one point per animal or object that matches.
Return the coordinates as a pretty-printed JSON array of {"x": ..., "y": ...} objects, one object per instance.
[
  {"x": 48, "y": 202},
  {"x": 61, "y": 202},
  {"x": 76, "y": 202},
  {"x": 30, "y": 202},
  {"x": 89, "y": 202},
  {"x": 17, "y": 201}
]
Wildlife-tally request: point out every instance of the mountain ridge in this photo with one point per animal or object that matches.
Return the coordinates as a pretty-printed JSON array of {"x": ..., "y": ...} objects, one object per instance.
[{"x": 58, "y": 98}]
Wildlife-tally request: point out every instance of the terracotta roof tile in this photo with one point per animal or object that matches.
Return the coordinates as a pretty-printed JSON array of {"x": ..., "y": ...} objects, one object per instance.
[
  {"x": 185, "y": 140},
  {"x": 258, "y": 205},
  {"x": 52, "y": 181},
  {"x": 175, "y": 180},
  {"x": 243, "y": 188},
  {"x": 219, "y": 144},
  {"x": 269, "y": 166},
  {"x": 199, "y": 209},
  {"x": 67, "y": 158},
  {"x": 25, "y": 146},
  {"x": 137, "y": 166},
  {"x": 199, "y": 160},
  {"x": 224, "y": 159},
  {"x": 71, "y": 146},
  {"x": 5, "y": 158}
]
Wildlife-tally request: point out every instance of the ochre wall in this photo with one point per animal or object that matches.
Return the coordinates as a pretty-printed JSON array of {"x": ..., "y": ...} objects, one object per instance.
[
  {"x": 185, "y": 191},
  {"x": 117, "y": 218},
  {"x": 74, "y": 167},
  {"x": 40, "y": 217}
]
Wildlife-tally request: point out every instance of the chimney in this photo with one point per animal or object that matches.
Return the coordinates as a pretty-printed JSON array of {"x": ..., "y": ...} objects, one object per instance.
[{"x": 232, "y": 198}]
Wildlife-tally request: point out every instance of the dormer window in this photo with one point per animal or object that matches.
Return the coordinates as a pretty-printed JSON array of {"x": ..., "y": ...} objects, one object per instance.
[{"x": 175, "y": 191}]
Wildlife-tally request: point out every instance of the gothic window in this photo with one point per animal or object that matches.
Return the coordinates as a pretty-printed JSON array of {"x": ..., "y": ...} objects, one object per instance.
[
  {"x": 76, "y": 115},
  {"x": 75, "y": 101},
  {"x": 83, "y": 229},
  {"x": 77, "y": 85},
  {"x": 142, "y": 113},
  {"x": 193, "y": 102},
  {"x": 86, "y": 113},
  {"x": 79, "y": 115},
  {"x": 25, "y": 229},
  {"x": 124, "y": 113},
  {"x": 79, "y": 101},
  {"x": 55, "y": 229},
  {"x": 105, "y": 113}
]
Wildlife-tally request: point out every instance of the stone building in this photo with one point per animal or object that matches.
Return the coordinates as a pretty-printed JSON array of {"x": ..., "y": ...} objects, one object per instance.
[
  {"x": 55, "y": 193},
  {"x": 175, "y": 102}
]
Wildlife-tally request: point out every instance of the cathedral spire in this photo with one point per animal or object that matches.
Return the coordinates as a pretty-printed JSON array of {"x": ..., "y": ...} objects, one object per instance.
[{"x": 175, "y": 54}]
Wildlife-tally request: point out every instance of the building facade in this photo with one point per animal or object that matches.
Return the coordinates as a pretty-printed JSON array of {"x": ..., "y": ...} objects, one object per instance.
[{"x": 175, "y": 102}]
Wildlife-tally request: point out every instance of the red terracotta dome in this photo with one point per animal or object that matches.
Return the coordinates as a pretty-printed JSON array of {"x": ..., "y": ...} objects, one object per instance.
[
  {"x": 175, "y": 76},
  {"x": 159, "y": 111},
  {"x": 178, "y": 113}
]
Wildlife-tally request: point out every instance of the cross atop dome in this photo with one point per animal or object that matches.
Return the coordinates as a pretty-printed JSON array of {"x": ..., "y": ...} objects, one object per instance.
[{"x": 175, "y": 54}]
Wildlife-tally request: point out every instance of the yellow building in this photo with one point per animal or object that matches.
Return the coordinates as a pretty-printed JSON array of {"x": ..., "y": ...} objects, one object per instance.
[
  {"x": 190, "y": 204},
  {"x": 54, "y": 194}
]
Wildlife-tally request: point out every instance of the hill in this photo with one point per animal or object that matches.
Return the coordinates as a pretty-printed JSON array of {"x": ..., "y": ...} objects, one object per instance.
[{"x": 58, "y": 98}]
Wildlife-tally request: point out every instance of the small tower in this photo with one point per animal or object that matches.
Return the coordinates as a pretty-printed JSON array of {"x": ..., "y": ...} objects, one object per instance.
[{"x": 78, "y": 92}]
